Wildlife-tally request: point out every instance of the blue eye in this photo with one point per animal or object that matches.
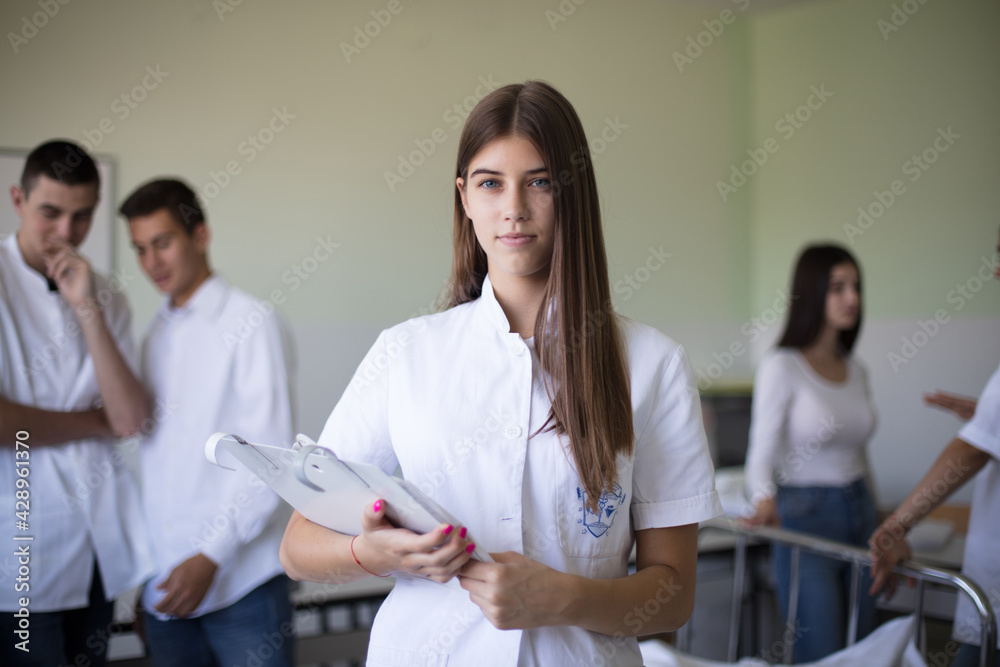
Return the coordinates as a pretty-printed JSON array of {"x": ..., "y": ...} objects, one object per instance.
[
  {"x": 489, "y": 184},
  {"x": 541, "y": 182}
]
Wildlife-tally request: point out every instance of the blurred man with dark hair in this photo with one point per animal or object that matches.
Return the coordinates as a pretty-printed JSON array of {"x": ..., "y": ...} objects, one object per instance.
[
  {"x": 219, "y": 594},
  {"x": 66, "y": 392}
]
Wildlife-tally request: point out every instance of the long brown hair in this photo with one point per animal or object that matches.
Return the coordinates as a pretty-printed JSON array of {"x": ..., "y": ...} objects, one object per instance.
[
  {"x": 576, "y": 332},
  {"x": 810, "y": 284}
]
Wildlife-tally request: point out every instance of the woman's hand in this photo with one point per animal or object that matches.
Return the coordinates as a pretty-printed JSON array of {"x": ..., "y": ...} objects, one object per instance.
[
  {"x": 963, "y": 406},
  {"x": 382, "y": 548},
  {"x": 517, "y": 592},
  {"x": 764, "y": 514}
]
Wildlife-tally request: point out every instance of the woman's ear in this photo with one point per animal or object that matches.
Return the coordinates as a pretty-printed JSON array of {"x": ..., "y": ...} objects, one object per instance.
[{"x": 460, "y": 184}]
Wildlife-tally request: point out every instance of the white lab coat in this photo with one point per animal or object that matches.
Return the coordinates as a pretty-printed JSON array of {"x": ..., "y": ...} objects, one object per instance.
[
  {"x": 453, "y": 398},
  {"x": 222, "y": 362},
  {"x": 982, "y": 544},
  {"x": 83, "y": 498}
]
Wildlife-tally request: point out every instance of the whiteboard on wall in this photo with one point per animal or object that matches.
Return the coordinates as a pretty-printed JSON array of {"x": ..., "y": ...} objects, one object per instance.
[{"x": 99, "y": 246}]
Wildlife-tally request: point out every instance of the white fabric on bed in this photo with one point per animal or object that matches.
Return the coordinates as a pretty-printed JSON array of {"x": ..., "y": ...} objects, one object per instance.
[{"x": 890, "y": 645}]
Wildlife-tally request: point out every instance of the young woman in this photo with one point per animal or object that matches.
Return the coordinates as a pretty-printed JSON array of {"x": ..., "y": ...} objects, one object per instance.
[
  {"x": 559, "y": 433},
  {"x": 812, "y": 416}
]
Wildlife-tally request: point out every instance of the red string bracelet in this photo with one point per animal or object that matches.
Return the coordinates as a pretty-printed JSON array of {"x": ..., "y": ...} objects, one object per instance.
[{"x": 359, "y": 562}]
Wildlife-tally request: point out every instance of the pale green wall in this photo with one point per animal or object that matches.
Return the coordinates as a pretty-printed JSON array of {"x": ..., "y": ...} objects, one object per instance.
[
  {"x": 938, "y": 70},
  {"x": 892, "y": 91},
  {"x": 324, "y": 173}
]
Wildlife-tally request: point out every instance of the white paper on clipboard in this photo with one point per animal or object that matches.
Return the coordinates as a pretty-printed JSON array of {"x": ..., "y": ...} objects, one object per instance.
[{"x": 332, "y": 492}]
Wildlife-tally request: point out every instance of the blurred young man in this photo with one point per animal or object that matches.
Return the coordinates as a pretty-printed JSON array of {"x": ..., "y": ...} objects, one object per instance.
[
  {"x": 219, "y": 595},
  {"x": 66, "y": 391}
]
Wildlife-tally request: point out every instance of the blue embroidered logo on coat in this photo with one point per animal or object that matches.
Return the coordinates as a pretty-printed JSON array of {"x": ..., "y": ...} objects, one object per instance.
[{"x": 598, "y": 523}]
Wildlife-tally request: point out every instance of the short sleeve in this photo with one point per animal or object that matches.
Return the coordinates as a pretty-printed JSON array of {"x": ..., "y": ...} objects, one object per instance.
[
  {"x": 358, "y": 427},
  {"x": 673, "y": 479},
  {"x": 768, "y": 421},
  {"x": 983, "y": 430}
]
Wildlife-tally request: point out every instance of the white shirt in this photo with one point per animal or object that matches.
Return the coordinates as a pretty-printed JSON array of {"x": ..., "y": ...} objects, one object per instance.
[
  {"x": 452, "y": 398},
  {"x": 83, "y": 498},
  {"x": 806, "y": 430},
  {"x": 219, "y": 363},
  {"x": 982, "y": 544}
]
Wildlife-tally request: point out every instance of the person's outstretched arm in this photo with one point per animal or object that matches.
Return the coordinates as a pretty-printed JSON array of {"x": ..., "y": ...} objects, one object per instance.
[
  {"x": 964, "y": 407},
  {"x": 957, "y": 464}
]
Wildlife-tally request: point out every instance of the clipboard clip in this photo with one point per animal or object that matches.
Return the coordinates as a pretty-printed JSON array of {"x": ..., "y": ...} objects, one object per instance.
[
  {"x": 211, "y": 445},
  {"x": 301, "y": 461},
  {"x": 305, "y": 447}
]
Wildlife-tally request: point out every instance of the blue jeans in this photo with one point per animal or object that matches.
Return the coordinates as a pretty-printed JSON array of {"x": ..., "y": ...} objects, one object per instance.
[
  {"x": 968, "y": 656},
  {"x": 254, "y": 631},
  {"x": 76, "y": 636},
  {"x": 844, "y": 514}
]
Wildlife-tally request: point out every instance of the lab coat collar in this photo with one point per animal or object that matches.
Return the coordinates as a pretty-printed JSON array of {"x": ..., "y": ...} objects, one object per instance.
[
  {"x": 492, "y": 312},
  {"x": 491, "y": 308},
  {"x": 207, "y": 301},
  {"x": 36, "y": 279}
]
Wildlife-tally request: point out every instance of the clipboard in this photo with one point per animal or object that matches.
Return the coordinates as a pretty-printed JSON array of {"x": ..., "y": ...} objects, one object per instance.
[{"x": 332, "y": 492}]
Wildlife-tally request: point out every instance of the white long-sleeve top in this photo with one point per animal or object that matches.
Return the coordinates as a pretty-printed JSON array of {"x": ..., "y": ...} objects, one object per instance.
[
  {"x": 82, "y": 498},
  {"x": 219, "y": 363},
  {"x": 457, "y": 401},
  {"x": 806, "y": 430}
]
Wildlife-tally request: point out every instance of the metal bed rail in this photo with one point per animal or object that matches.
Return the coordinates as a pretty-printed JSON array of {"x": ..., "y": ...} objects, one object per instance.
[{"x": 858, "y": 558}]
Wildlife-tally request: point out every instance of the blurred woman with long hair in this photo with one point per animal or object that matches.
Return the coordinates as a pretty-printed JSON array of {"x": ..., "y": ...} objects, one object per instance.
[{"x": 807, "y": 465}]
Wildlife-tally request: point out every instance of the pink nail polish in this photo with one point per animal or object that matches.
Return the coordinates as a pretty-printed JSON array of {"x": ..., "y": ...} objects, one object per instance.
[
  {"x": 448, "y": 529},
  {"x": 462, "y": 532},
  {"x": 469, "y": 549},
  {"x": 377, "y": 506}
]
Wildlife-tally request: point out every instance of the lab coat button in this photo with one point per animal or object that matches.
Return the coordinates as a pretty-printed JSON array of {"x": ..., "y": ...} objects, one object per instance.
[
  {"x": 513, "y": 431},
  {"x": 516, "y": 348}
]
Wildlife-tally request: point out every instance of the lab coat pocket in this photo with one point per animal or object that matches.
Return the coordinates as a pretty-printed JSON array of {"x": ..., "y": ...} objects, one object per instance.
[
  {"x": 380, "y": 655},
  {"x": 588, "y": 533}
]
